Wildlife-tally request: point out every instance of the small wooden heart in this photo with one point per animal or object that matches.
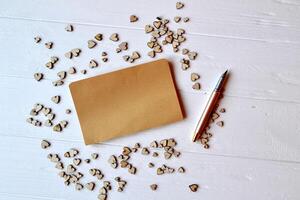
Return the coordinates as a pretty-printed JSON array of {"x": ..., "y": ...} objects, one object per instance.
[
  {"x": 133, "y": 18},
  {"x": 148, "y": 28},
  {"x": 151, "y": 54},
  {"x": 38, "y": 76},
  {"x": 93, "y": 64},
  {"x": 76, "y": 161},
  {"x": 179, "y": 5},
  {"x": 55, "y": 99},
  {"x": 114, "y": 37},
  {"x": 194, "y": 77},
  {"x": 49, "y": 45},
  {"x": 69, "y": 28},
  {"x": 46, "y": 111},
  {"x": 90, "y": 186},
  {"x": 62, "y": 74},
  {"x": 135, "y": 55},
  {"x": 98, "y": 37},
  {"x": 91, "y": 44},
  {"x": 69, "y": 55},
  {"x": 196, "y": 86},
  {"x": 157, "y": 24},
  {"x": 192, "y": 55}
]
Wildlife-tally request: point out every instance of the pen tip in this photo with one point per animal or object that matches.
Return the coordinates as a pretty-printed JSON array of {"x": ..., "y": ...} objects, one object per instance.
[{"x": 224, "y": 74}]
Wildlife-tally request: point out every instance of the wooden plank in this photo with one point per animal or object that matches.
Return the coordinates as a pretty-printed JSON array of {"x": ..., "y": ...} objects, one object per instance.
[
  {"x": 258, "y": 70},
  {"x": 253, "y": 128},
  {"x": 27, "y": 172},
  {"x": 265, "y": 21}
]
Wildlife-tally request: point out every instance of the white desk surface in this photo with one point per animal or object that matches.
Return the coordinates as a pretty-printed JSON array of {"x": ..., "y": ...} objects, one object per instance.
[{"x": 256, "y": 155}]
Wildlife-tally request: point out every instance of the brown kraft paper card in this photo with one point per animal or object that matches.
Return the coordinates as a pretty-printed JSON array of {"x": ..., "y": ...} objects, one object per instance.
[{"x": 126, "y": 101}]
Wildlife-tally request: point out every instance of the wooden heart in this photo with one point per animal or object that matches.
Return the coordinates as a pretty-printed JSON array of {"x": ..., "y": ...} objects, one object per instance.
[
  {"x": 114, "y": 37},
  {"x": 91, "y": 44},
  {"x": 93, "y": 64},
  {"x": 38, "y": 76}
]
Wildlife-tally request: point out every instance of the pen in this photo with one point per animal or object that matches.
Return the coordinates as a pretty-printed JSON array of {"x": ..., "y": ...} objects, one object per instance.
[{"x": 209, "y": 108}]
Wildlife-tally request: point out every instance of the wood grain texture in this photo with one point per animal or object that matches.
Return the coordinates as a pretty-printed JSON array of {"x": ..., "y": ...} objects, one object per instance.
[{"x": 255, "y": 156}]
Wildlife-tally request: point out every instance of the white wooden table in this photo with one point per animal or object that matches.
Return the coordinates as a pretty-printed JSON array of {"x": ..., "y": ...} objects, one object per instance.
[{"x": 256, "y": 155}]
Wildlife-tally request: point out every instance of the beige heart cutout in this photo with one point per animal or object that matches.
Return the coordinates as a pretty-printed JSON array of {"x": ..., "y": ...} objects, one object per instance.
[
  {"x": 91, "y": 44},
  {"x": 93, "y": 64},
  {"x": 38, "y": 76}
]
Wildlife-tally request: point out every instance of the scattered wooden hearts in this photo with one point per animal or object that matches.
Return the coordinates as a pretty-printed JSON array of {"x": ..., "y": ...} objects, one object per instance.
[
  {"x": 69, "y": 55},
  {"x": 57, "y": 128},
  {"x": 151, "y": 54},
  {"x": 193, "y": 187},
  {"x": 159, "y": 171},
  {"x": 118, "y": 50},
  {"x": 114, "y": 37},
  {"x": 133, "y": 18},
  {"x": 38, "y": 76},
  {"x": 220, "y": 123},
  {"x": 45, "y": 144},
  {"x": 76, "y": 52},
  {"x": 54, "y": 158},
  {"x": 157, "y": 24},
  {"x": 196, "y": 86},
  {"x": 58, "y": 83},
  {"x": 48, "y": 123},
  {"x": 37, "y": 39},
  {"x": 56, "y": 99},
  {"x": 59, "y": 166},
  {"x": 102, "y": 196},
  {"x": 153, "y": 187},
  {"x": 68, "y": 111},
  {"x": 54, "y": 59},
  {"x": 185, "y": 66},
  {"x": 94, "y": 156},
  {"x": 99, "y": 37},
  {"x": 90, "y": 186},
  {"x": 135, "y": 55},
  {"x": 123, "y": 46},
  {"x": 184, "y": 51},
  {"x": 215, "y": 116},
  {"x": 181, "y": 170},
  {"x": 64, "y": 123},
  {"x": 126, "y": 58},
  {"x": 91, "y": 44},
  {"x": 93, "y": 64},
  {"x": 76, "y": 161},
  {"x": 46, "y": 111},
  {"x": 222, "y": 110},
  {"x": 186, "y": 19},
  {"x": 194, "y": 77},
  {"x": 50, "y": 116},
  {"x": 49, "y": 45},
  {"x": 78, "y": 186},
  {"x": 83, "y": 71},
  {"x": 179, "y": 5},
  {"x": 113, "y": 161},
  {"x": 132, "y": 170},
  {"x": 157, "y": 49},
  {"x": 148, "y": 29},
  {"x": 62, "y": 74},
  {"x": 145, "y": 151},
  {"x": 192, "y": 55},
  {"x": 177, "y": 19},
  {"x": 180, "y": 31},
  {"x": 69, "y": 28},
  {"x": 72, "y": 70},
  {"x": 71, "y": 169}
]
